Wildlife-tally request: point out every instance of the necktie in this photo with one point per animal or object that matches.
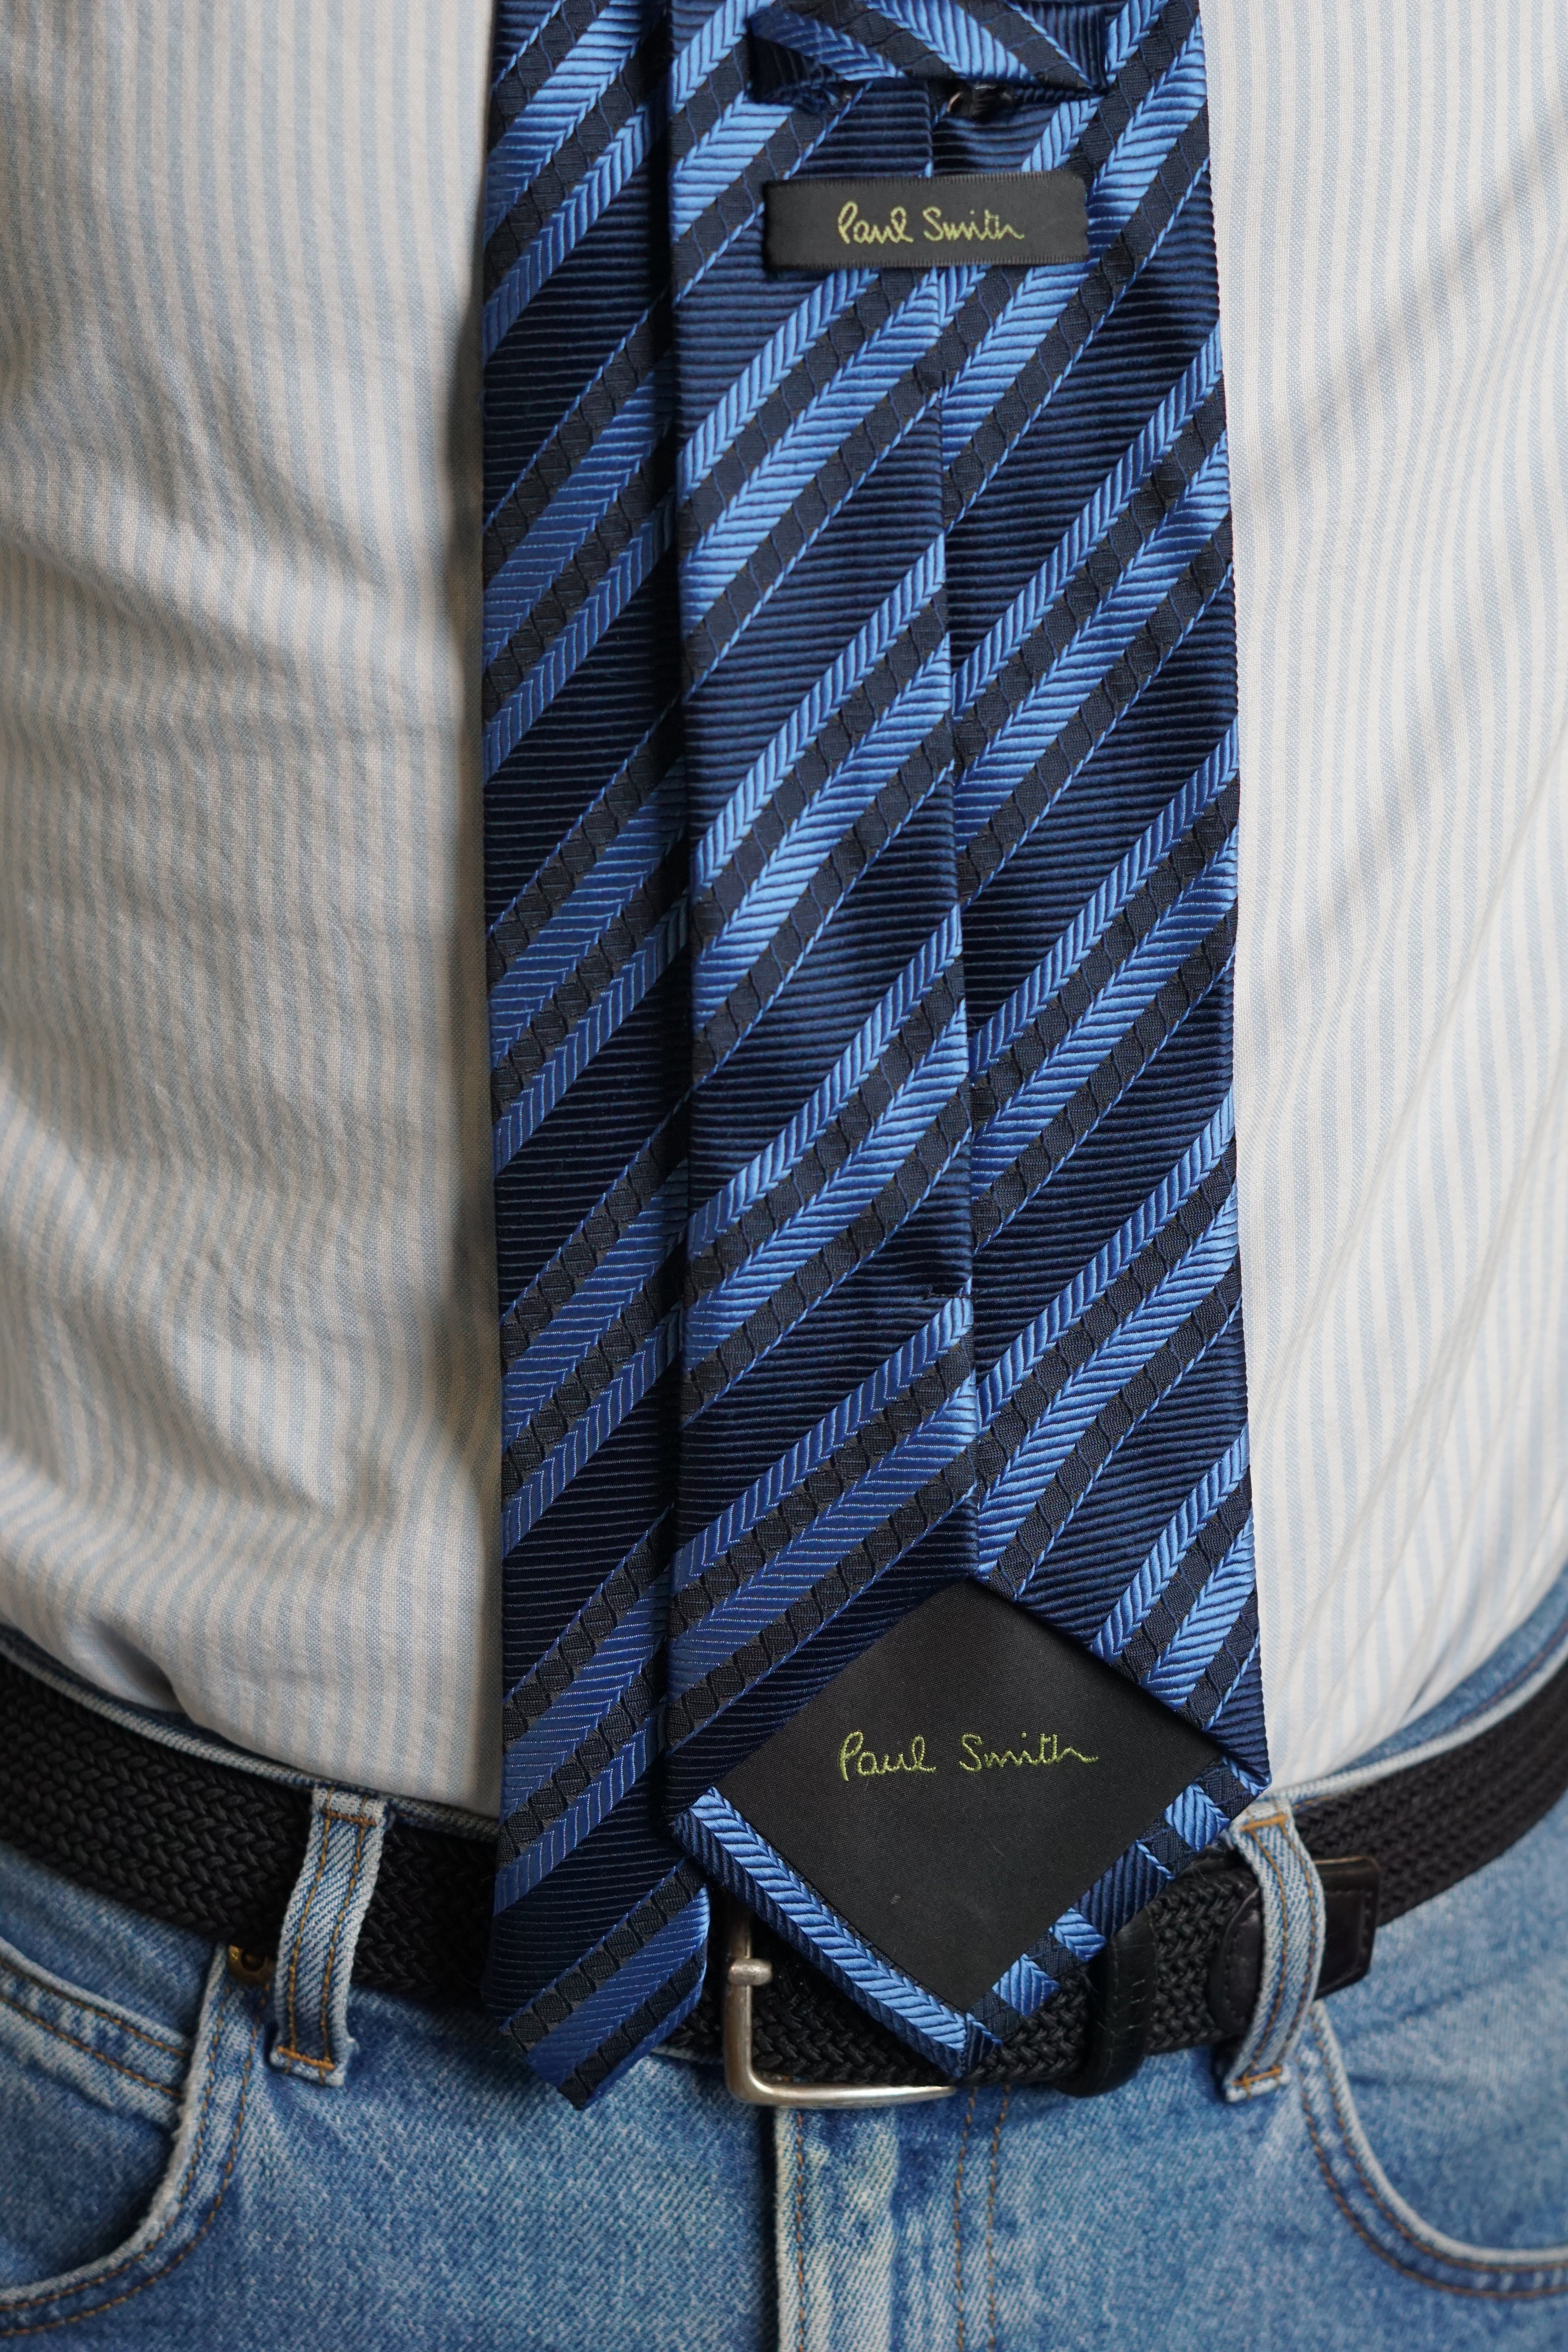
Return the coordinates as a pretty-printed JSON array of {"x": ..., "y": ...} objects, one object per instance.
[
  {"x": 601, "y": 1923},
  {"x": 860, "y": 808},
  {"x": 828, "y": 1394}
]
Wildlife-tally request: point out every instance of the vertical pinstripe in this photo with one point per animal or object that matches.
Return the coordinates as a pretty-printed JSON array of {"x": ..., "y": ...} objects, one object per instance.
[
  {"x": 1392, "y": 231},
  {"x": 247, "y": 1397},
  {"x": 247, "y": 1383}
]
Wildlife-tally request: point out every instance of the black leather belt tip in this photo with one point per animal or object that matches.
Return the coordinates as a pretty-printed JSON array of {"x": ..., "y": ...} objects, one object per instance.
[{"x": 212, "y": 1848}]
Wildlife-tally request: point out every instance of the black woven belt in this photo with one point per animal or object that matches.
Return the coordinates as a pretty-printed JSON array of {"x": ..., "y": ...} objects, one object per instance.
[{"x": 214, "y": 1848}]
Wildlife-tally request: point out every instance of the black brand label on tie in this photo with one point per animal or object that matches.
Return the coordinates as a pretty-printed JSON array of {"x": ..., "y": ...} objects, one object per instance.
[
  {"x": 963, "y": 1783},
  {"x": 975, "y": 217}
]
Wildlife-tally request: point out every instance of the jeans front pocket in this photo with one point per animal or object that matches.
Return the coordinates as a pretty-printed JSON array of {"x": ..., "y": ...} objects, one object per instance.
[
  {"x": 90, "y": 2102},
  {"x": 120, "y": 2140},
  {"x": 1437, "y": 2100},
  {"x": 1384, "y": 2219}
]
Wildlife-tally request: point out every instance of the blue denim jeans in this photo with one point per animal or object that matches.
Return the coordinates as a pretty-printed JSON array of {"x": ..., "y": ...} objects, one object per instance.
[{"x": 179, "y": 2168}]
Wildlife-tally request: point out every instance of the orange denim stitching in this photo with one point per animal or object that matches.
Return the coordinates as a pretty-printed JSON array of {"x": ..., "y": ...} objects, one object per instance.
[
  {"x": 344, "y": 1909},
  {"x": 86, "y": 2047},
  {"x": 289, "y": 2049},
  {"x": 78, "y": 2000},
  {"x": 298, "y": 2058},
  {"x": 800, "y": 2230},
  {"x": 324, "y": 1820},
  {"x": 991, "y": 2224},
  {"x": 1408, "y": 2270},
  {"x": 1268, "y": 2073},
  {"x": 31, "y": 2303},
  {"x": 1454, "y": 2262},
  {"x": 71, "y": 2318},
  {"x": 958, "y": 2213}
]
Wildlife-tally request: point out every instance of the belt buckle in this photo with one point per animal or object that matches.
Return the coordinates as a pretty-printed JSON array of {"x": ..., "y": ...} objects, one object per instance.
[{"x": 744, "y": 1971}]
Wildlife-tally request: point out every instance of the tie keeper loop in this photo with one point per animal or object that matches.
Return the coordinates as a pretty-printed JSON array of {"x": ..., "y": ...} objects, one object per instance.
[{"x": 1121, "y": 1982}]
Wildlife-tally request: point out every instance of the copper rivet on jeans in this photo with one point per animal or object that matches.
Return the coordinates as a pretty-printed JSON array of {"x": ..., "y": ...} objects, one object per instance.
[{"x": 249, "y": 1967}]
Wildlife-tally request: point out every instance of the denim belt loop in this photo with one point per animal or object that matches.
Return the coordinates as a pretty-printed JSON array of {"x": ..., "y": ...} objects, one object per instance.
[
  {"x": 320, "y": 1929},
  {"x": 1291, "y": 1895}
]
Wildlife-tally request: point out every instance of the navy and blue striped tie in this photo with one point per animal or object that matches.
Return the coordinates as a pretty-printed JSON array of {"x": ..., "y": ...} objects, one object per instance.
[
  {"x": 601, "y": 1923},
  {"x": 829, "y": 1392},
  {"x": 860, "y": 814}
]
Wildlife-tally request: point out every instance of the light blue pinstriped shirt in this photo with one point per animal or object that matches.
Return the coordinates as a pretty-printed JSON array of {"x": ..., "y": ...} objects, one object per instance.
[{"x": 247, "y": 1414}]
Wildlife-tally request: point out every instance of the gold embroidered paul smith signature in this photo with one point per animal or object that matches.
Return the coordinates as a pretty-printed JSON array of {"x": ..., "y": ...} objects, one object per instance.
[
  {"x": 973, "y": 1756},
  {"x": 937, "y": 227},
  {"x": 946, "y": 220}
]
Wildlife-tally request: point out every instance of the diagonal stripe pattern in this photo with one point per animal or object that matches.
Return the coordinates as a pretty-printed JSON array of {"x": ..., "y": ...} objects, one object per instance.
[
  {"x": 861, "y": 805},
  {"x": 827, "y": 1394},
  {"x": 600, "y": 1930},
  {"x": 1079, "y": 706},
  {"x": 1097, "y": 800}
]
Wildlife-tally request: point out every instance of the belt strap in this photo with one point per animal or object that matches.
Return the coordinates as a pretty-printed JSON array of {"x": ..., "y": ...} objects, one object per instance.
[{"x": 215, "y": 1848}]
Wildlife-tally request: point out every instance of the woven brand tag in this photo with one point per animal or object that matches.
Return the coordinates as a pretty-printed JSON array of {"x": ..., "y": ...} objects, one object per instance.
[
  {"x": 983, "y": 218},
  {"x": 964, "y": 1781}
]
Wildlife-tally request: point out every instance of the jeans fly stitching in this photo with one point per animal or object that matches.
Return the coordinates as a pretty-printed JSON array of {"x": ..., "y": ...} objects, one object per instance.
[
  {"x": 800, "y": 2230},
  {"x": 991, "y": 2224},
  {"x": 958, "y": 2213}
]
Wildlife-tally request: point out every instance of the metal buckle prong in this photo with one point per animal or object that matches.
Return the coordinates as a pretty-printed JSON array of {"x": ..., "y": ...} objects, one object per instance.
[{"x": 743, "y": 1973}]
